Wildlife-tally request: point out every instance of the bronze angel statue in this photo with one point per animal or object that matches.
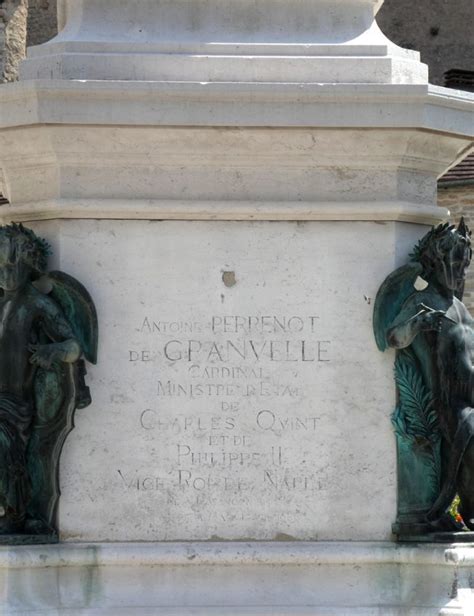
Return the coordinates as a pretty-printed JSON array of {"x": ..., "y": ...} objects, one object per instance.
[
  {"x": 419, "y": 312},
  {"x": 48, "y": 325}
]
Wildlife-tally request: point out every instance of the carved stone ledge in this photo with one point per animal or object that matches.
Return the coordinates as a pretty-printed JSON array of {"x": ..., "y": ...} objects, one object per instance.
[{"x": 364, "y": 579}]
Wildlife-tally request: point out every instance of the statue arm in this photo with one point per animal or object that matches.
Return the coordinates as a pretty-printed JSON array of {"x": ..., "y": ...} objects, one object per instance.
[
  {"x": 413, "y": 318},
  {"x": 64, "y": 346},
  {"x": 404, "y": 329}
]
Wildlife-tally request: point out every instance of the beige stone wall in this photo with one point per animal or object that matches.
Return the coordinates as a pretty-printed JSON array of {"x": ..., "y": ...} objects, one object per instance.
[
  {"x": 460, "y": 202},
  {"x": 13, "y": 17},
  {"x": 442, "y": 30}
]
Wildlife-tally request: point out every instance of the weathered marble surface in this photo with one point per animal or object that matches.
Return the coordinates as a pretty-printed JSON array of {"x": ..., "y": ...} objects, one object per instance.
[{"x": 298, "y": 441}]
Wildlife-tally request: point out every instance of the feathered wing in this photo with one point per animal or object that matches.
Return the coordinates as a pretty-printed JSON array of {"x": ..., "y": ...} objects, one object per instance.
[
  {"x": 79, "y": 310},
  {"x": 393, "y": 293}
]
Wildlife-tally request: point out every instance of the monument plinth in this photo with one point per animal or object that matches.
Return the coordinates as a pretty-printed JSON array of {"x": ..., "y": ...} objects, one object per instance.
[
  {"x": 216, "y": 40},
  {"x": 232, "y": 181}
]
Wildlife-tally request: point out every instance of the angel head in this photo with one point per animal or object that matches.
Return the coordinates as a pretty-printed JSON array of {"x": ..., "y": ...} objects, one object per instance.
[
  {"x": 445, "y": 253},
  {"x": 23, "y": 256}
]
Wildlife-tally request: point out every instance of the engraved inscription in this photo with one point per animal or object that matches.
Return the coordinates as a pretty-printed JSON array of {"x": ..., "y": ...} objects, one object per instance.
[{"x": 228, "y": 404}]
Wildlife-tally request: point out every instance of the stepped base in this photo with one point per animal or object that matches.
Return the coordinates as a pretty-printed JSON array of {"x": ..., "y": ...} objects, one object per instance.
[
  {"x": 205, "y": 63},
  {"x": 237, "y": 578}
]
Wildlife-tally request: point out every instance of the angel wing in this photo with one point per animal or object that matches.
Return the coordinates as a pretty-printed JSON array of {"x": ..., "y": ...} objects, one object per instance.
[
  {"x": 393, "y": 293},
  {"x": 79, "y": 310}
]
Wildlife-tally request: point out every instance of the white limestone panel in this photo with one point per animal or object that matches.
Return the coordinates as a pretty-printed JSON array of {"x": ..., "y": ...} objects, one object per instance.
[{"x": 239, "y": 393}]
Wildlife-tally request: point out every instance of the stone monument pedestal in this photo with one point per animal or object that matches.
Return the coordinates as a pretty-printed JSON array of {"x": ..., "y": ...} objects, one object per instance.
[{"x": 232, "y": 181}]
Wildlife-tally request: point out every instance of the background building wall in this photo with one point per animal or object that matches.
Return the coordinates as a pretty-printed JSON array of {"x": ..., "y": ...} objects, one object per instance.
[
  {"x": 442, "y": 30},
  {"x": 42, "y": 21}
]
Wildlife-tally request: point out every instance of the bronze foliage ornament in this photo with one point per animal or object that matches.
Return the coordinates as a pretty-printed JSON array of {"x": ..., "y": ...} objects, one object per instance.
[
  {"x": 48, "y": 327},
  {"x": 419, "y": 312}
]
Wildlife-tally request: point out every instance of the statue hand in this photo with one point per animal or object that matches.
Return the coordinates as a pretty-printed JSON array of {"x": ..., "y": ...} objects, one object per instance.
[
  {"x": 430, "y": 319},
  {"x": 44, "y": 355}
]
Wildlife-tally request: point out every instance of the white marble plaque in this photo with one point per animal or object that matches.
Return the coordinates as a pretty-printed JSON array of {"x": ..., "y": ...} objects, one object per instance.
[{"x": 239, "y": 393}]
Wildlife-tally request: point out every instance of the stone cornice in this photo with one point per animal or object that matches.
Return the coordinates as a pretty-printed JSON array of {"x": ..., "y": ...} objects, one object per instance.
[
  {"x": 149, "y": 209},
  {"x": 214, "y": 104}
]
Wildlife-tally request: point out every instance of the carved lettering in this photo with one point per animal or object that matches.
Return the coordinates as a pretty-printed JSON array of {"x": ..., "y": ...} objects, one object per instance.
[{"x": 224, "y": 387}]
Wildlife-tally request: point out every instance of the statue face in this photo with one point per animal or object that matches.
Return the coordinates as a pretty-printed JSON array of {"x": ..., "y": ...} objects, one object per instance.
[{"x": 14, "y": 270}]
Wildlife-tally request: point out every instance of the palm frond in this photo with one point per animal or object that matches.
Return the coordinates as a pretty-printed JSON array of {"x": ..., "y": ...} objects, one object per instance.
[
  {"x": 416, "y": 401},
  {"x": 415, "y": 419}
]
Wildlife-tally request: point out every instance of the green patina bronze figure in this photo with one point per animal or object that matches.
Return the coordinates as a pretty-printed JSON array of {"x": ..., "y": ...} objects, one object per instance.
[
  {"x": 419, "y": 312},
  {"x": 47, "y": 324}
]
